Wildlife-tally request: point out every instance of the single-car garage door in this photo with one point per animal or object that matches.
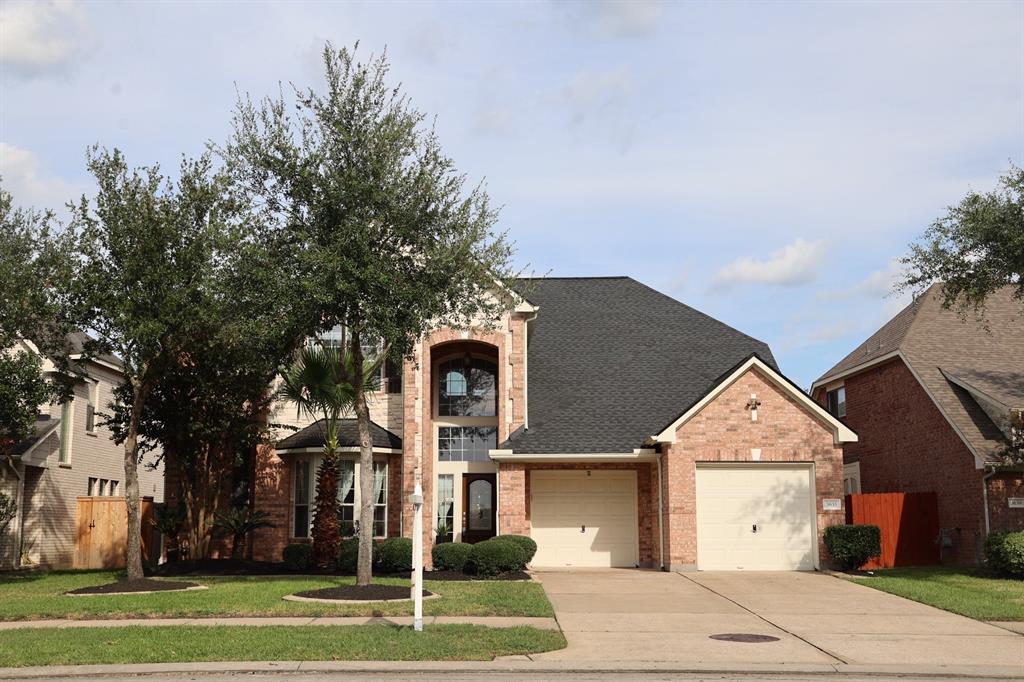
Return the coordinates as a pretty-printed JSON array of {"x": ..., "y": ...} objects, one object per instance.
[
  {"x": 755, "y": 517},
  {"x": 584, "y": 518}
]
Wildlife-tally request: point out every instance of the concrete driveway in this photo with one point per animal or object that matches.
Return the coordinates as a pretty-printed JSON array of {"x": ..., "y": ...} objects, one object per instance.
[{"x": 651, "y": 616}]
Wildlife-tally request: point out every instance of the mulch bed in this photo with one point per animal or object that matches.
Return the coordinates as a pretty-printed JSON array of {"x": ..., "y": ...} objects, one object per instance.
[
  {"x": 456, "y": 575},
  {"x": 354, "y": 593},
  {"x": 141, "y": 585},
  {"x": 203, "y": 567}
]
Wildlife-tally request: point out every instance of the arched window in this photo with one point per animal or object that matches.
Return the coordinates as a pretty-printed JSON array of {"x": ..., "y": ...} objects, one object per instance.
[{"x": 467, "y": 387}]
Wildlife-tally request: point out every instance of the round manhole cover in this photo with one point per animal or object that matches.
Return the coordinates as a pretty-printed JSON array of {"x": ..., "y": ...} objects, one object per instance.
[{"x": 744, "y": 637}]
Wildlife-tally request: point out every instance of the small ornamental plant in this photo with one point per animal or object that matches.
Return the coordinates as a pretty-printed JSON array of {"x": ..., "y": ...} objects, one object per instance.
[
  {"x": 851, "y": 546},
  {"x": 451, "y": 556},
  {"x": 1004, "y": 553}
]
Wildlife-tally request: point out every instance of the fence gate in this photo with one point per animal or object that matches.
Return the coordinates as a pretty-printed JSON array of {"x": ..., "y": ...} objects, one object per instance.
[
  {"x": 101, "y": 531},
  {"x": 909, "y": 524}
]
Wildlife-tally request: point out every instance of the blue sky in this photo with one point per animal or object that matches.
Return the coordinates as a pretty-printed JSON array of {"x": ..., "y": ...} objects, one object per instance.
[{"x": 763, "y": 162}]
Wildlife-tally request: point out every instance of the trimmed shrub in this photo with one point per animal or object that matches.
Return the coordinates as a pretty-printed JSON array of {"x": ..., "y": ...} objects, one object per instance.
[
  {"x": 348, "y": 556},
  {"x": 451, "y": 556},
  {"x": 394, "y": 555},
  {"x": 526, "y": 543},
  {"x": 297, "y": 557},
  {"x": 1004, "y": 553},
  {"x": 852, "y": 546},
  {"x": 495, "y": 556}
]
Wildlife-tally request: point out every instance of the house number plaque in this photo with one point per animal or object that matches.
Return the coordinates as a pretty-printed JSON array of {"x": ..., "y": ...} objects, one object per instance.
[{"x": 832, "y": 504}]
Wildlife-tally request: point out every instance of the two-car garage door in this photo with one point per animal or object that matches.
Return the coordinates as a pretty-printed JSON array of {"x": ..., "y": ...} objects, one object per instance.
[
  {"x": 755, "y": 517},
  {"x": 584, "y": 518}
]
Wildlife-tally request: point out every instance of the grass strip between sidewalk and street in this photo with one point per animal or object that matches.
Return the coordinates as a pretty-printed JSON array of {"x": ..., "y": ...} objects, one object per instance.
[
  {"x": 79, "y": 646},
  {"x": 964, "y": 590},
  {"x": 25, "y": 596}
]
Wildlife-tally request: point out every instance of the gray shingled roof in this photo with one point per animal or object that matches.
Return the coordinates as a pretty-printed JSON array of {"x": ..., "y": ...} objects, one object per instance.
[
  {"x": 940, "y": 344},
  {"x": 612, "y": 361},
  {"x": 44, "y": 425},
  {"x": 348, "y": 436}
]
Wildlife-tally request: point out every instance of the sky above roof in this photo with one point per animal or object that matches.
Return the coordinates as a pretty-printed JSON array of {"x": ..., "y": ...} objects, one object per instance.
[{"x": 762, "y": 162}]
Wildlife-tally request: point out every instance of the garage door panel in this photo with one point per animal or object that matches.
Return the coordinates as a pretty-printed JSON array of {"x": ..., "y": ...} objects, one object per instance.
[
  {"x": 584, "y": 520},
  {"x": 731, "y": 501}
]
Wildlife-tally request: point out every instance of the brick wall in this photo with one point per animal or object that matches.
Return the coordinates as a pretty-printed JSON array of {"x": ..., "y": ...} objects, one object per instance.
[
  {"x": 1000, "y": 488},
  {"x": 723, "y": 432},
  {"x": 514, "y": 500},
  {"x": 906, "y": 445},
  {"x": 273, "y": 495}
]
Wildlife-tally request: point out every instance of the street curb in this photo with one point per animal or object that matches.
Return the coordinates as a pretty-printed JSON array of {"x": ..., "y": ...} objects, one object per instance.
[
  {"x": 500, "y": 666},
  {"x": 280, "y": 621}
]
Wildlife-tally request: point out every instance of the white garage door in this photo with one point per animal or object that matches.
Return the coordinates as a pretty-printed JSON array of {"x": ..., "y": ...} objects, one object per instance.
[
  {"x": 757, "y": 518},
  {"x": 584, "y": 518}
]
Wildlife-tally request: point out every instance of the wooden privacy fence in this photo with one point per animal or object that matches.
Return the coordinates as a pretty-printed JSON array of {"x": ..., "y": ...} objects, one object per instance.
[
  {"x": 101, "y": 531},
  {"x": 909, "y": 524}
]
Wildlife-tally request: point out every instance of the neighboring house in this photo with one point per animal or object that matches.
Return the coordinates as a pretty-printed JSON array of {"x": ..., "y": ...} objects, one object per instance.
[
  {"x": 933, "y": 396},
  {"x": 70, "y": 455},
  {"x": 613, "y": 424}
]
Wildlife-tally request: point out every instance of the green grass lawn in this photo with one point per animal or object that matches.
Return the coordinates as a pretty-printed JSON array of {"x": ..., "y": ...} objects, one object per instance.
[
  {"x": 41, "y": 595},
  {"x": 967, "y": 591},
  {"x": 76, "y": 646}
]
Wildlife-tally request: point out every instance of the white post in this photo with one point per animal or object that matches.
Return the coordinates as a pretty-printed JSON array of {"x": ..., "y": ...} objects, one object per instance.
[{"x": 417, "y": 554}]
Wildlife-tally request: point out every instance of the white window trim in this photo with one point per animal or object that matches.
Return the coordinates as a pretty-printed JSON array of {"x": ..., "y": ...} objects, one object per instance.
[
  {"x": 67, "y": 431},
  {"x": 851, "y": 471},
  {"x": 833, "y": 389},
  {"x": 314, "y": 464},
  {"x": 93, "y": 389}
]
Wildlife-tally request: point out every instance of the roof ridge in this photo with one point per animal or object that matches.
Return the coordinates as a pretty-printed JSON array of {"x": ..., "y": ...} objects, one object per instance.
[{"x": 578, "y": 277}]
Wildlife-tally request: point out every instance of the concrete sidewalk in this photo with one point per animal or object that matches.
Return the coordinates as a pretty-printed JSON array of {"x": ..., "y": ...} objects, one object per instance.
[
  {"x": 516, "y": 669},
  {"x": 489, "y": 621}
]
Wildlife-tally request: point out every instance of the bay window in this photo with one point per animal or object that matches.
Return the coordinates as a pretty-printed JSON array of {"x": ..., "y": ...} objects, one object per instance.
[{"x": 348, "y": 497}]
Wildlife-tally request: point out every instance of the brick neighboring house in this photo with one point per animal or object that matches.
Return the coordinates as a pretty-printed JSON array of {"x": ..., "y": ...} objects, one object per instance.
[
  {"x": 70, "y": 455},
  {"x": 932, "y": 397},
  {"x": 613, "y": 424}
]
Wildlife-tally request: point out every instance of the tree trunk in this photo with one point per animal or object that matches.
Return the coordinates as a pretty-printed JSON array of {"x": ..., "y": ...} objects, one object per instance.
[
  {"x": 133, "y": 558},
  {"x": 364, "y": 572}
]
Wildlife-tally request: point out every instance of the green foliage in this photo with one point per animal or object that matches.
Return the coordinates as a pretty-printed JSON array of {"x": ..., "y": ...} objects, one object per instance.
[
  {"x": 8, "y": 510},
  {"x": 23, "y": 391},
  {"x": 348, "y": 556},
  {"x": 170, "y": 520},
  {"x": 298, "y": 557},
  {"x": 1004, "y": 553},
  {"x": 451, "y": 556},
  {"x": 975, "y": 249},
  {"x": 528, "y": 545},
  {"x": 852, "y": 545},
  {"x": 34, "y": 262},
  {"x": 394, "y": 555},
  {"x": 239, "y": 522},
  {"x": 495, "y": 556},
  {"x": 373, "y": 219}
]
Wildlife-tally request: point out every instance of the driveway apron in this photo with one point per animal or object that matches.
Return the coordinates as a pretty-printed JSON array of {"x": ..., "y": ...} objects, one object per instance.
[{"x": 620, "y": 615}]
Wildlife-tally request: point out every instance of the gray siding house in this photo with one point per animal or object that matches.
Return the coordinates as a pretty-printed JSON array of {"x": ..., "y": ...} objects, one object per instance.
[{"x": 69, "y": 456}]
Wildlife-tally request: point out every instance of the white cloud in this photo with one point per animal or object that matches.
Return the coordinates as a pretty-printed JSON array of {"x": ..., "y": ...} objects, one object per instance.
[
  {"x": 619, "y": 18},
  {"x": 795, "y": 264},
  {"x": 30, "y": 186},
  {"x": 39, "y": 37}
]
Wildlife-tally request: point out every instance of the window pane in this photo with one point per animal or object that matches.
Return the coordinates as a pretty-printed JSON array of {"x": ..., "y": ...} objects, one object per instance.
[
  {"x": 467, "y": 388},
  {"x": 301, "y": 510},
  {"x": 347, "y": 497},
  {"x": 446, "y": 504},
  {"x": 480, "y": 492},
  {"x": 466, "y": 443}
]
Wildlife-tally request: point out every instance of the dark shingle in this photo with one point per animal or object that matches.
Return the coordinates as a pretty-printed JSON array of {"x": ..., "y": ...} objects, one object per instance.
[
  {"x": 612, "y": 361},
  {"x": 348, "y": 436}
]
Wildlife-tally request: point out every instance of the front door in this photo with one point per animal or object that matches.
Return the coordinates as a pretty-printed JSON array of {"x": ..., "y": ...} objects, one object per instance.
[{"x": 479, "y": 499}]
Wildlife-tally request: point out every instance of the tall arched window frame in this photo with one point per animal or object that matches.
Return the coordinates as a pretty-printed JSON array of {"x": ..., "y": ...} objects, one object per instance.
[{"x": 466, "y": 393}]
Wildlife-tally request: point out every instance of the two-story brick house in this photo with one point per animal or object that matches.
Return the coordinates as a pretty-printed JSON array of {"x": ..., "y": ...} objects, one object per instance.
[
  {"x": 613, "y": 424},
  {"x": 71, "y": 455},
  {"x": 933, "y": 396}
]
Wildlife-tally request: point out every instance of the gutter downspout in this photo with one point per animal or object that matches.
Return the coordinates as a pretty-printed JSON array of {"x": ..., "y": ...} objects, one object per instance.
[
  {"x": 526, "y": 369},
  {"x": 661, "y": 533},
  {"x": 984, "y": 496}
]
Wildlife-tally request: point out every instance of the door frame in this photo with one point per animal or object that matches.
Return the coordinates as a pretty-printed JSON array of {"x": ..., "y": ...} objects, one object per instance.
[
  {"x": 468, "y": 535},
  {"x": 812, "y": 475}
]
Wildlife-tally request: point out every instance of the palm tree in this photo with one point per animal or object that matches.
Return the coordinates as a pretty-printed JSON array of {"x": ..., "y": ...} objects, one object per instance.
[{"x": 321, "y": 384}]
